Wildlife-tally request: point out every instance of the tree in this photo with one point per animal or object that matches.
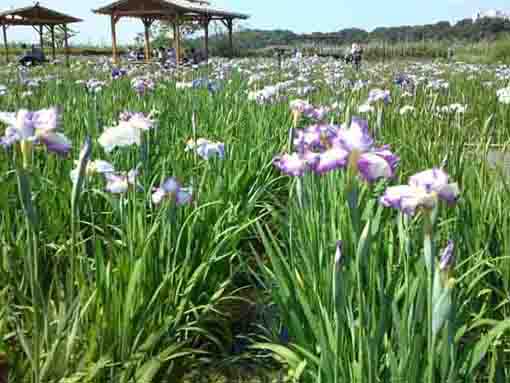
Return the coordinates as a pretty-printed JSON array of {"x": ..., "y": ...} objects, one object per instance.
[
  {"x": 59, "y": 36},
  {"x": 163, "y": 32}
]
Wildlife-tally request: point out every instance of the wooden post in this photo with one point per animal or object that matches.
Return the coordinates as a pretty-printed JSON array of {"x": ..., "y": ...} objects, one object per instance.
[
  {"x": 206, "y": 39},
  {"x": 147, "y": 25},
  {"x": 174, "y": 26},
  {"x": 4, "y": 28},
  {"x": 41, "y": 38},
  {"x": 114, "y": 41},
  {"x": 177, "y": 37},
  {"x": 53, "y": 49},
  {"x": 230, "y": 26},
  {"x": 66, "y": 44}
]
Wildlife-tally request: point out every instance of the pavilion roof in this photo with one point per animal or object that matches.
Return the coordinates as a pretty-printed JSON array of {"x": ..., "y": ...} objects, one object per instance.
[
  {"x": 35, "y": 15},
  {"x": 166, "y": 8}
]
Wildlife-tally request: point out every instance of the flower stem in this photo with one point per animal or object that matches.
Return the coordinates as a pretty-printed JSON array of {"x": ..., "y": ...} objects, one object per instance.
[
  {"x": 25, "y": 195},
  {"x": 429, "y": 261}
]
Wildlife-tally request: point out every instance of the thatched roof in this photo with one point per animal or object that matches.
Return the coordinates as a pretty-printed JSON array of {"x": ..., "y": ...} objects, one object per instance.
[
  {"x": 166, "y": 9},
  {"x": 35, "y": 15}
]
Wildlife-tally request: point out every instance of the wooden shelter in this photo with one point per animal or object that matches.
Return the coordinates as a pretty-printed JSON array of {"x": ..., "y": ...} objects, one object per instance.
[
  {"x": 39, "y": 18},
  {"x": 176, "y": 12}
]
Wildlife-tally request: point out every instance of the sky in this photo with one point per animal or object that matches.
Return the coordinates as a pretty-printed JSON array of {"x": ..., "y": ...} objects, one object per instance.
[{"x": 301, "y": 16}]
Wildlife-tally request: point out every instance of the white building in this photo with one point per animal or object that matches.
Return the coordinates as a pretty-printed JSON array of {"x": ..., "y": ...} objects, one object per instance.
[{"x": 491, "y": 14}]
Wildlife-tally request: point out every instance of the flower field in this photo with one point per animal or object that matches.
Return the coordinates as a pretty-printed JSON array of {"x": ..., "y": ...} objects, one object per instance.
[{"x": 330, "y": 224}]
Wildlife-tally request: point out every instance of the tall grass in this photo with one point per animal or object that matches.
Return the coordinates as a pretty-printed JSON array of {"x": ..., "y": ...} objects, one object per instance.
[
  {"x": 485, "y": 52},
  {"x": 106, "y": 288}
]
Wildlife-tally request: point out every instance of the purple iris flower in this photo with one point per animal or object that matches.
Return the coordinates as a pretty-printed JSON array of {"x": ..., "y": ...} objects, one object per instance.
[
  {"x": 142, "y": 85},
  {"x": 39, "y": 127},
  {"x": 118, "y": 73},
  {"x": 323, "y": 148},
  {"x": 206, "y": 149},
  {"x": 318, "y": 114},
  {"x": 117, "y": 183},
  {"x": 356, "y": 137},
  {"x": 293, "y": 164},
  {"x": 447, "y": 257},
  {"x": 376, "y": 95},
  {"x": 425, "y": 190},
  {"x": 214, "y": 86},
  {"x": 300, "y": 106},
  {"x": 331, "y": 159},
  {"x": 173, "y": 190},
  {"x": 436, "y": 181},
  {"x": 11, "y": 136},
  {"x": 373, "y": 166},
  {"x": 211, "y": 86},
  {"x": 315, "y": 136},
  {"x": 405, "y": 82}
]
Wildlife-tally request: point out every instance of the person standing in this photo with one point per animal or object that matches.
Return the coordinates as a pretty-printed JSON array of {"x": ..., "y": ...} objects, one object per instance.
[{"x": 356, "y": 55}]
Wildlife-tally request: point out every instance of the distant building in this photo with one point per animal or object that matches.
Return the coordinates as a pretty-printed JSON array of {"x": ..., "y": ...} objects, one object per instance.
[{"x": 491, "y": 14}]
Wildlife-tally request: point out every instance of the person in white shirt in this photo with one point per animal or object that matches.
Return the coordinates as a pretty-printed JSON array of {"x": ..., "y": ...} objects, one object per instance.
[{"x": 356, "y": 55}]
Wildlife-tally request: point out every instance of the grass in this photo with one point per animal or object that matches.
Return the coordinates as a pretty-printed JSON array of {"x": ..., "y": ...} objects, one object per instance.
[
  {"x": 107, "y": 288},
  {"x": 485, "y": 52}
]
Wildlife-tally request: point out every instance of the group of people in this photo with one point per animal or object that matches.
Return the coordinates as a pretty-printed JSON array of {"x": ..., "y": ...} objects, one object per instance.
[
  {"x": 169, "y": 56},
  {"x": 353, "y": 55},
  {"x": 34, "y": 56}
]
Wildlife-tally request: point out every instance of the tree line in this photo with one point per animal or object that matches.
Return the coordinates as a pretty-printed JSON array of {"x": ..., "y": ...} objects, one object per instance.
[
  {"x": 486, "y": 29},
  {"x": 466, "y": 29}
]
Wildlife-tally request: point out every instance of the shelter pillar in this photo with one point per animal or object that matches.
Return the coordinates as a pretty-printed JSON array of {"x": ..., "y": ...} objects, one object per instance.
[
  {"x": 53, "y": 49},
  {"x": 66, "y": 43},
  {"x": 206, "y": 38},
  {"x": 174, "y": 26},
  {"x": 41, "y": 36},
  {"x": 115, "y": 56},
  {"x": 230, "y": 26},
  {"x": 6, "y": 46},
  {"x": 147, "y": 22},
  {"x": 177, "y": 38}
]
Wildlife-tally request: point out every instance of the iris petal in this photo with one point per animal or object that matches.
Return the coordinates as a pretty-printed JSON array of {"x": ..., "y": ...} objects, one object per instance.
[
  {"x": 120, "y": 136},
  {"x": 331, "y": 159},
  {"x": 57, "y": 143},
  {"x": 291, "y": 164},
  {"x": 373, "y": 167},
  {"x": 430, "y": 180},
  {"x": 356, "y": 137}
]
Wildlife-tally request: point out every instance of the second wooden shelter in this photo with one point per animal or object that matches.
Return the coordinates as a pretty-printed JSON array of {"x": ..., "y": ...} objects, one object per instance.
[
  {"x": 176, "y": 12},
  {"x": 39, "y": 18}
]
